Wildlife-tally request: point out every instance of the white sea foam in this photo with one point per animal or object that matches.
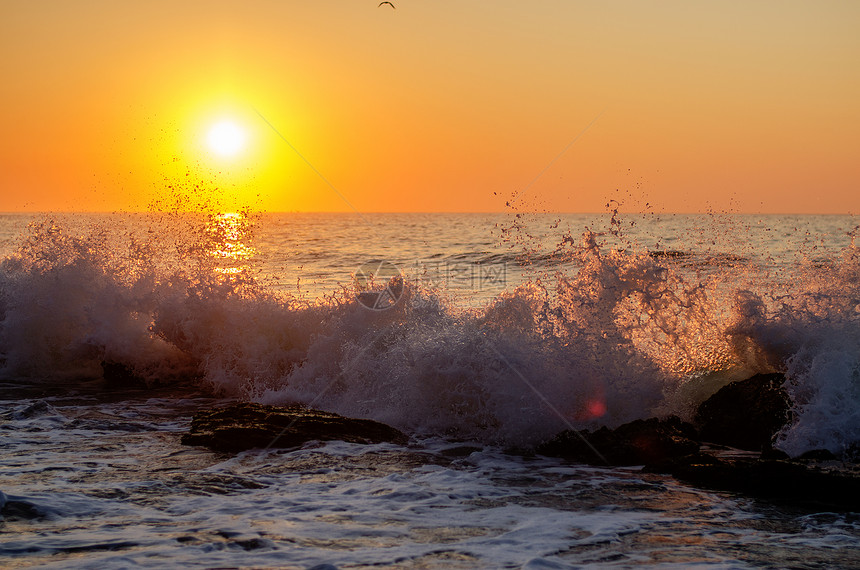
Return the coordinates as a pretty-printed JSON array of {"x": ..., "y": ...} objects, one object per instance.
[
  {"x": 96, "y": 496},
  {"x": 604, "y": 333}
]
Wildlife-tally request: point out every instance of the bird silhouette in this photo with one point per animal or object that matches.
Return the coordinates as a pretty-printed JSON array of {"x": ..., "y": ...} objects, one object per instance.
[{"x": 389, "y": 3}]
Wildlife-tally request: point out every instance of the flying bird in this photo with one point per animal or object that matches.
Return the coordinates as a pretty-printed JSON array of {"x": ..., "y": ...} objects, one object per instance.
[{"x": 389, "y": 3}]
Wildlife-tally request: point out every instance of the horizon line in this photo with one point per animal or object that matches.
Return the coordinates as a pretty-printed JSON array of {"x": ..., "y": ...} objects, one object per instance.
[{"x": 424, "y": 212}]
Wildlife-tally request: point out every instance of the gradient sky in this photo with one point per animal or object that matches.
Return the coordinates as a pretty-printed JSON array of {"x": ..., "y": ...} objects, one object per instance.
[{"x": 433, "y": 106}]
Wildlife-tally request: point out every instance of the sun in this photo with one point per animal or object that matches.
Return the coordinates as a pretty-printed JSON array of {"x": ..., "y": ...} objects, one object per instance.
[{"x": 226, "y": 138}]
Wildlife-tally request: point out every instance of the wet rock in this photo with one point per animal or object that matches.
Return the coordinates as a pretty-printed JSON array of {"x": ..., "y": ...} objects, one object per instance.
[
  {"x": 746, "y": 414},
  {"x": 639, "y": 442},
  {"x": 789, "y": 481},
  {"x": 773, "y": 453},
  {"x": 819, "y": 455},
  {"x": 118, "y": 374},
  {"x": 246, "y": 426}
]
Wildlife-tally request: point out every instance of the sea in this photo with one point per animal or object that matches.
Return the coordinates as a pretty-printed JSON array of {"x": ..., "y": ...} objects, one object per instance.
[{"x": 478, "y": 335}]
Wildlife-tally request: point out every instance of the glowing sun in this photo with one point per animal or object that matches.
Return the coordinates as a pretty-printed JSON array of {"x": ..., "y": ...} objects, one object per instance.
[{"x": 226, "y": 138}]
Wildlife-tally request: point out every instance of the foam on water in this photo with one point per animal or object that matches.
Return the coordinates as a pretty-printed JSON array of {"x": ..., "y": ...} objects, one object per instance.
[
  {"x": 601, "y": 330},
  {"x": 598, "y": 330},
  {"x": 115, "y": 489}
]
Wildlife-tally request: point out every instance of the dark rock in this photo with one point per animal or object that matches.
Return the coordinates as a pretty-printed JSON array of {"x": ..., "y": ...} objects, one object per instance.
[
  {"x": 773, "y": 453},
  {"x": 247, "y": 426},
  {"x": 639, "y": 442},
  {"x": 778, "y": 480},
  {"x": 819, "y": 455},
  {"x": 746, "y": 414},
  {"x": 118, "y": 374}
]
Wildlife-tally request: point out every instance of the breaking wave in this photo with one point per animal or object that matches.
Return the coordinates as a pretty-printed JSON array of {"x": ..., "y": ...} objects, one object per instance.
[{"x": 594, "y": 334}]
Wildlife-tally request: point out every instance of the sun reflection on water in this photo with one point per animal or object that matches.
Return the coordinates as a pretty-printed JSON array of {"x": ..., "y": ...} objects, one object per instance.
[{"x": 230, "y": 246}]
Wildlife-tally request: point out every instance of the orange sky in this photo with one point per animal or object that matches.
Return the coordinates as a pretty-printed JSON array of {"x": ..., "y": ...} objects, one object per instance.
[{"x": 434, "y": 106}]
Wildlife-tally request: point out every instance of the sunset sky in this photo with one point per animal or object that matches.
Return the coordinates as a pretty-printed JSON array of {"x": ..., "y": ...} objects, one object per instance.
[{"x": 432, "y": 106}]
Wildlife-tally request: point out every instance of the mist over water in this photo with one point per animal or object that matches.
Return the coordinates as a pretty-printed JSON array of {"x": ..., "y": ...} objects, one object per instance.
[{"x": 609, "y": 318}]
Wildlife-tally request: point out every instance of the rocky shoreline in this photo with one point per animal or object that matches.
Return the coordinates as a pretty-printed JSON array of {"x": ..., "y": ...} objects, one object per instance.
[
  {"x": 728, "y": 446},
  {"x": 247, "y": 426}
]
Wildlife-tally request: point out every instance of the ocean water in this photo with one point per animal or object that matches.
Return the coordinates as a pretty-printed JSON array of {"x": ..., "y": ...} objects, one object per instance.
[{"x": 473, "y": 333}]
